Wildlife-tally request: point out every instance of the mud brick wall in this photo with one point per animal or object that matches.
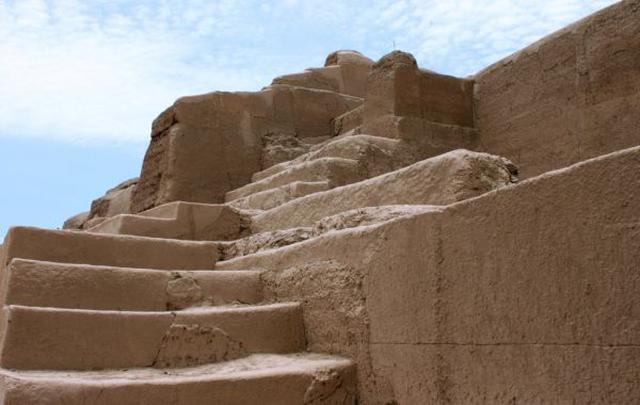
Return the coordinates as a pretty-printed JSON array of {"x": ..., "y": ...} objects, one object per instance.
[{"x": 571, "y": 96}]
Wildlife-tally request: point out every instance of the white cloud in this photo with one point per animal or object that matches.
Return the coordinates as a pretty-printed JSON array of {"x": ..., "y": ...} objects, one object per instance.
[
  {"x": 102, "y": 70},
  {"x": 71, "y": 73},
  {"x": 441, "y": 34}
]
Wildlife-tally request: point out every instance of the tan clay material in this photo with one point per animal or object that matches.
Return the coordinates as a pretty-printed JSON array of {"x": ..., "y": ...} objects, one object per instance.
[
  {"x": 351, "y": 120},
  {"x": 357, "y": 234},
  {"x": 442, "y": 180},
  {"x": 190, "y": 221},
  {"x": 114, "y": 250},
  {"x": 115, "y": 201},
  {"x": 492, "y": 286},
  {"x": 376, "y": 155},
  {"x": 77, "y": 221},
  {"x": 568, "y": 97},
  {"x": 73, "y": 339},
  {"x": 344, "y": 72},
  {"x": 204, "y": 146},
  {"x": 396, "y": 87},
  {"x": 258, "y": 379},
  {"x": 335, "y": 171},
  {"x": 274, "y": 197},
  {"x": 64, "y": 285}
]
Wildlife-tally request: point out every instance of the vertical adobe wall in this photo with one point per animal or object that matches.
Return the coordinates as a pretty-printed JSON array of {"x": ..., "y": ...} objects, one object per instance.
[
  {"x": 569, "y": 97},
  {"x": 397, "y": 90},
  {"x": 204, "y": 146},
  {"x": 200, "y": 148},
  {"x": 431, "y": 112},
  {"x": 526, "y": 295}
]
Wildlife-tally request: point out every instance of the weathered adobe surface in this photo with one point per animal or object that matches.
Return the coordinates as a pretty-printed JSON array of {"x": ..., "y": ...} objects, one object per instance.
[
  {"x": 398, "y": 91},
  {"x": 441, "y": 180},
  {"x": 179, "y": 220},
  {"x": 568, "y": 97},
  {"x": 343, "y": 72},
  {"x": 347, "y": 219},
  {"x": 127, "y": 303},
  {"x": 288, "y": 218},
  {"x": 205, "y": 146},
  {"x": 258, "y": 379},
  {"x": 115, "y": 201},
  {"x": 490, "y": 300},
  {"x": 504, "y": 296}
]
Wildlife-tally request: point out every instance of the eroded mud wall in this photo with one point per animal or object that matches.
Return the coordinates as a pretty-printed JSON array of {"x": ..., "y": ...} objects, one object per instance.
[
  {"x": 571, "y": 96},
  {"x": 523, "y": 295}
]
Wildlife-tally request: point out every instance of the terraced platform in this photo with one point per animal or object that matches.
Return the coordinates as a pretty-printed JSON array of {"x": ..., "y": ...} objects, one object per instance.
[{"x": 361, "y": 233}]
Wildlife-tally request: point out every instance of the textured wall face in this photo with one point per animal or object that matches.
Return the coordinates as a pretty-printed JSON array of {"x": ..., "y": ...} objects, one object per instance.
[
  {"x": 344, "y": 72},
  {"x": 570, "y": 97},
  {"x": 155, "y": 164},
  {"x": 204, "y": 146},
  {"x": 200, "y": 148},
  {"x": 398, "y": 91},
  {"x": 433, "y": 97},
  {"x": 523, "y": 295}
]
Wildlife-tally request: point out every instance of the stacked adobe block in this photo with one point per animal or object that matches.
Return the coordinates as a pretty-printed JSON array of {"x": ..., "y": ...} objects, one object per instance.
[{"x": 350, "y": 234}]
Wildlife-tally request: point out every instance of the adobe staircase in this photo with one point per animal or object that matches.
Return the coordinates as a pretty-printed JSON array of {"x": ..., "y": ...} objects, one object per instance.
[
  {"x": 370, "y": 223},
  {"x": 103, "y": 319},
  {"x": 134, "y": 311}
]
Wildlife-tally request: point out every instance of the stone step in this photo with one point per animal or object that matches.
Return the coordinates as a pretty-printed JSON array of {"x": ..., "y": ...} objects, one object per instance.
[
  {"x": 441, "y": 180},
  {"x": 38, "y": 338},
  {"x": 274, "y": 197},
  {"x": 360, "y": 217},
  {"x": 168, "y": 210},
  {"x": 110, "y": 250},
  {"x": 83, "y": 286},
  {"x": 377, "y": 154},
  {"x": 264, "y": 241},
  {"x": 265, "y": 379},
  {"x": 336, "y": 171},
  {"x": 180, "y": 220},
  {"x": 270, "y": 171},
  {"x": 348, "y": 121}
]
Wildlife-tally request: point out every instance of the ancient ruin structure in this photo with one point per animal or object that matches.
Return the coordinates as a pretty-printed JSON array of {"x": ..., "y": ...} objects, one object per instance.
[{"x": 364, "y": 232}]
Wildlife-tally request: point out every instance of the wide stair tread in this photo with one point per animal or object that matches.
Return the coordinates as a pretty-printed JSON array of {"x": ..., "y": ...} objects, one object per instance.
[
  {"x": 111, "y": 250},
  {"x": 38, "y": 338},
  {"x": 265, "y": 200},
  {"x": 98, "y": 318},
  {"x": 344, "y": 146},
  {"x": 85, "y": 286},
  {"x": 179, "y": 220},
  {"x": 337, "y": 171},
  {"x": 266, "y": 379}
]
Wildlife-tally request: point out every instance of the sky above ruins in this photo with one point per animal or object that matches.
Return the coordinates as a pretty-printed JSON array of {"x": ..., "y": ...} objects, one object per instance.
[{"x": 80, "y": 81}]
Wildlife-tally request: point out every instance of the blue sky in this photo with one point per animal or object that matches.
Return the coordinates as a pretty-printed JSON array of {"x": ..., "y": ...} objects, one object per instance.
[{"x": 81, "y": 81}]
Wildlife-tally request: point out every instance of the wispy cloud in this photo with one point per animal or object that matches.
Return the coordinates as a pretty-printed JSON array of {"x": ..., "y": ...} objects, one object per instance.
[
  {"x": 100, "y": 71},
  {"x": 462, "y": 36}
]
